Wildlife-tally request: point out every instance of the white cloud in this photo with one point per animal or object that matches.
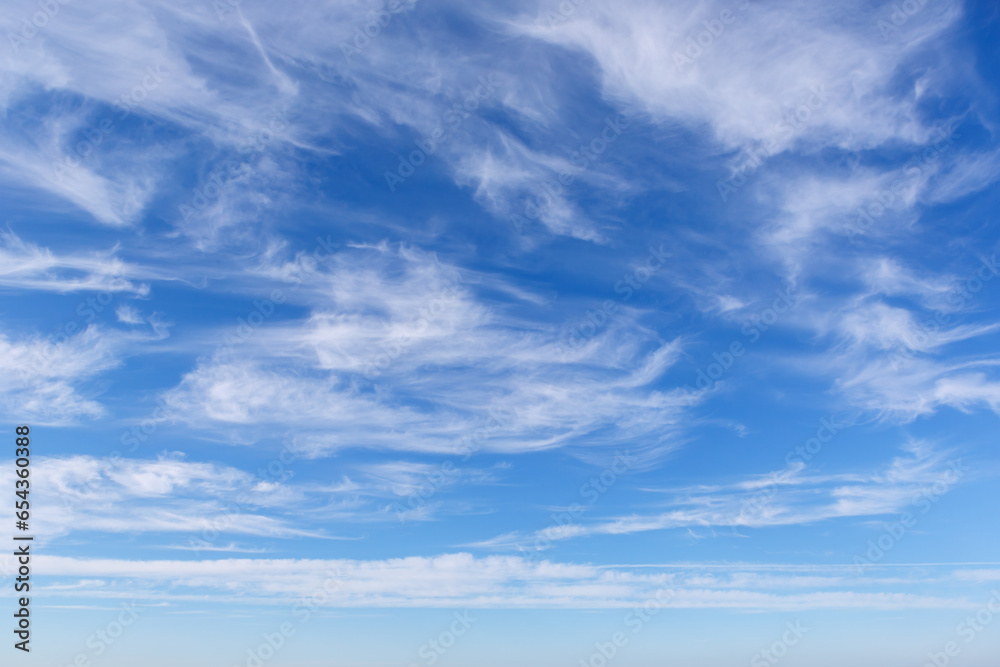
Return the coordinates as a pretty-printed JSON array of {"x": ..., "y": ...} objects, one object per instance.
[
  {"x": 208, "y": 504},
  {"x": 169, "y": 495},
  {"x": 782, "y": 498},
  {"x": 128, "y": 314},
  {"x": 463, "y": 581},
  {"x": 27, "y": 266},
  {"x": 43, "y": 378},
  {"x": 761, "y": 67},
  {"x": 380, "y": 318}
]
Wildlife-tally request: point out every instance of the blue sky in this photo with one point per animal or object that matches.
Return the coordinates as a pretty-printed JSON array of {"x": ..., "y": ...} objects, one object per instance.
[{"x": 436, "y": 333}]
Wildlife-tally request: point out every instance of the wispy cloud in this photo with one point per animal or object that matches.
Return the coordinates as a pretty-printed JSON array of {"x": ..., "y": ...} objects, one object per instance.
[
  {"x": 47, "y": 379},
  {"x": 461, "y": 580},
  {"x": 795, "y": 497},
  {"x": 380, "y": 317},
  {"x": 28, "y": 266}
]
